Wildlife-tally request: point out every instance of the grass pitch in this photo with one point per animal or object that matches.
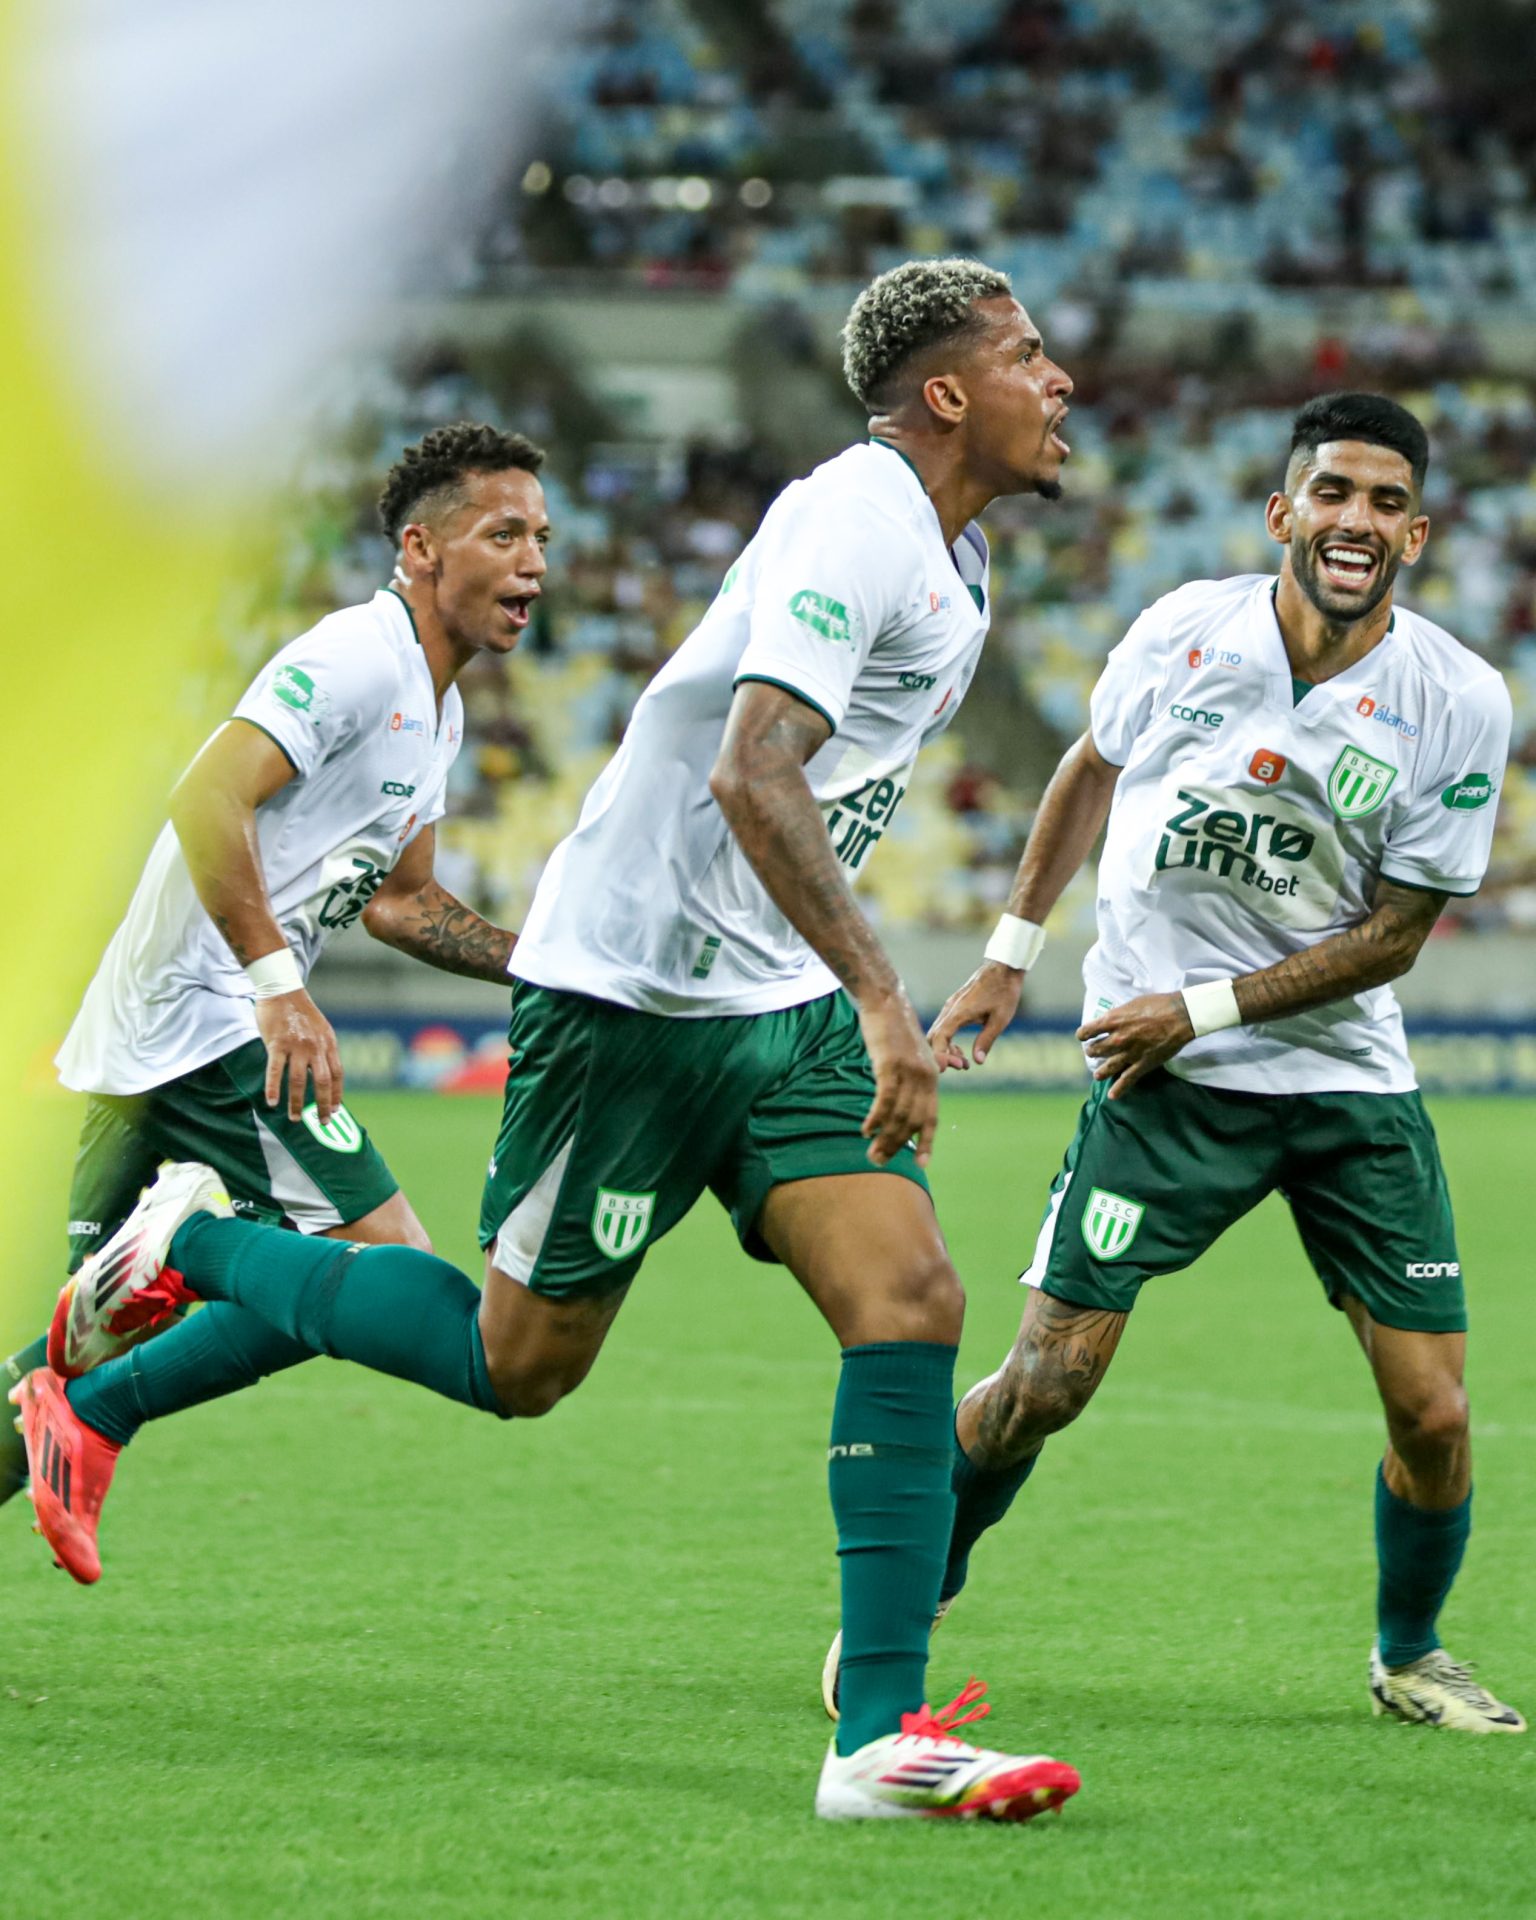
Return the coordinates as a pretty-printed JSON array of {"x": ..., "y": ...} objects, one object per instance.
[{"x": 360, "y": 1652}]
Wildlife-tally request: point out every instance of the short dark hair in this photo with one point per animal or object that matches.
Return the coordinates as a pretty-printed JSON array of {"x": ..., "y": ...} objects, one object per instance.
[
  {"x": 1371, "y": 417},
  {"x": 909, "y": 309},
  {"x": 440, "y": 462}
]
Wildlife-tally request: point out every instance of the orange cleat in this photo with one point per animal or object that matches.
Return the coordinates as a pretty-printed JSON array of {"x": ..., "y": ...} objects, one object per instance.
[{"x": 72, "y": 1467}]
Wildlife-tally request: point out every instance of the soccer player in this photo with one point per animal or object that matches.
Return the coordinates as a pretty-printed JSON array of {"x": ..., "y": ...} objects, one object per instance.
[
  {"x": 312, "y": 808},
  {"x": 1297, "y": 775},
  {"x": 700, "y": 1003}
]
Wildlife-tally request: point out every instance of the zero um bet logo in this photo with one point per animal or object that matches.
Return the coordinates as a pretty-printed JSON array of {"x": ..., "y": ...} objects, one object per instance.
[{"x": 1473, "y": 790}]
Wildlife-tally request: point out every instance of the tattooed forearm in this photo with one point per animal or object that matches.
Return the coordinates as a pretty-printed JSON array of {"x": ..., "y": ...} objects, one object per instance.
[
  {"x": 760, "y": 785},
  {"x": 1381, "y": 948},
  {"x": 1056, "y": 1364},
  {"x": 432, "y": 925}
]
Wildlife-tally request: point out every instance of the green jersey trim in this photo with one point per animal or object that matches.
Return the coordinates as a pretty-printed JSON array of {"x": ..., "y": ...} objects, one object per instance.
[
  {"x": 1422, "y": 886},
  {"x": 245, "y": 721},
  {"x": 767, "y": 680},
  {"x": 1300, "y": 689},
  {"x": 408, "y": 613},
  {"x": 876, "y": 441}
]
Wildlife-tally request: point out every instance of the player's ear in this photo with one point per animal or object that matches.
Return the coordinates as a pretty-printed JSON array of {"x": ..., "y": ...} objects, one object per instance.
[
  {"x": 1278, "y": 518},
  {"x": 1418, "y": 533},
  {"x": 418, "y": 551},
  {"x": 944, "y": 396}
]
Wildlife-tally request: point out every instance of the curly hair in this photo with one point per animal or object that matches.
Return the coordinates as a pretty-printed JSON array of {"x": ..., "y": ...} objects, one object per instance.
[
  {"x": 439, "y": 463},
  {"x": 915, "y": 306}
]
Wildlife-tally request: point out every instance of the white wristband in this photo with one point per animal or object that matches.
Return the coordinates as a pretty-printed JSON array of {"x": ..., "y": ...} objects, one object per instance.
[
  {"x": 1211, "y": 1007},
  {"x": 1016, "y": 942},
  {"x": 275, "y": 973}
]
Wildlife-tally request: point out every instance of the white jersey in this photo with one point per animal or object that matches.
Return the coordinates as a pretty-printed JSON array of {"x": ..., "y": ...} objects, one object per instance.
[
  {"x": 352, "y": 705},
  {"x": 847, "y": 596},
  {"x": 1249, "y": 824}
]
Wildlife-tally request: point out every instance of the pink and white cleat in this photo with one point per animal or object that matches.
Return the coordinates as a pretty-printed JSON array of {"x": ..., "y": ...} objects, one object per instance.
[
  {"x": 925, "y": 1773},
  {"x": 125, "y": 1292}
]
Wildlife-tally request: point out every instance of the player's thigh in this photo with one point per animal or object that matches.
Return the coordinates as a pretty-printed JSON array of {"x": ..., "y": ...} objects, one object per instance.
[
  {"x": 1149, "y": 1182},
  {"x": 394, "y": 1224},
  {"x": 1370, "y": 1199},
  {"x": 116, "y": 1157},
  {"x": 867, "y": 1249},
  {"x": 540, "y": 1347}
]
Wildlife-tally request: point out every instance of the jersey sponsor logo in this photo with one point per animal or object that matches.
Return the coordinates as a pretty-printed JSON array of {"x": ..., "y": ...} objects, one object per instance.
[
  {"x": 1385, "y": 717},
  {"x": 83, "y": 1229},
  {"x": 1434, "y": 1269},
  {"x": 621, "y": 1221},
  {"x": 917, "y": 682},
  {"x": 939, "y": 602},
  {"x": 1110, "y": 1223},
  {"x": 293, "y": 686},
  {"x": 403, "y": 723},
  {"x": 1359, "y": 783},
  {"x": 348, "y": 895},
  {"x": 1267, "y": 767},
  {"x": 858, "y": 820},
  {"x": 1472, "y": 790},
  {"x": 1273, "y": 852},
  {"x": 730, "y": 579},
  {"x": 1214, "y": 657},
  {"x": 340, "y": 1133},
  {"x": 1197, "y": 716},
  {"x": 707, "y": 955},
  {"x": 397, "y": 790},
  {"x": 823, "y": 615}
]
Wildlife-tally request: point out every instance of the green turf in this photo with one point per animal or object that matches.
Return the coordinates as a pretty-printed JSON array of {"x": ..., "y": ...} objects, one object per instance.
[{"x": 360, "y": 1652}]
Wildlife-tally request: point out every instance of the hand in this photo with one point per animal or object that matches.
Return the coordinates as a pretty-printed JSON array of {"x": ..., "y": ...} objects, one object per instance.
[
  {"x": 1130, "y": 1041},
  {"x": 906, "y": 1081},
  {"x": 299, "y": 1039},
  {"x": 989, "y": 1000}
]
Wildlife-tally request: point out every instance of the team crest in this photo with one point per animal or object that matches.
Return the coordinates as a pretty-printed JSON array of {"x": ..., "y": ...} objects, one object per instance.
[
  {"x": 340, "y": 1133},
  {"x": 1110, "y": 1222},
  {"x": 1358, "y": 784},
  {"x": 620, "y": 1221}
]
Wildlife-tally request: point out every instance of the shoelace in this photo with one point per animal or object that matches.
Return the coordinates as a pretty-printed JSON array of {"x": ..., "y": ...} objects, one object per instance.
[
  {"x": 927, "y": 1724},
  {"x": 1457, "y": 1679}
]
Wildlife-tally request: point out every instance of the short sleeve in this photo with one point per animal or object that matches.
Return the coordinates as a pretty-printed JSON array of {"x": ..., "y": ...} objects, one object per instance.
[
  {"x": 313, "y": 695},
  {"x": 1126, "y": 694},
  {"x": 1442, "y": 840},
  {"x": 830, "y": 583}
]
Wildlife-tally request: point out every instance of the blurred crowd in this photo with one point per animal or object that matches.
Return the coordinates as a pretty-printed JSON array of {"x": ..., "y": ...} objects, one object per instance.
[{"x": 1091, "y": 152}]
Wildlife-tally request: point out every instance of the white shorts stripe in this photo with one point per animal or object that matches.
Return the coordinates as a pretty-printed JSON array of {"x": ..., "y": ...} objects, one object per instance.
[
  {"x": 293, "y": 1190},
  {"x": 521, "y": 1239},
  {"x": 1034, "y": 1274}
]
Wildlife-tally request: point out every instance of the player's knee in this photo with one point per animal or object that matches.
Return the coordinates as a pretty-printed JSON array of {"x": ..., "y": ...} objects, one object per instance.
[
  {"x": 1433, "y": 1424},
  {"x": 929, "y": 1301},
  {"x": 1034, "y": 1401},
  {"x": 527, "y": 1390},
  {"x": 415, "y": 1236}
]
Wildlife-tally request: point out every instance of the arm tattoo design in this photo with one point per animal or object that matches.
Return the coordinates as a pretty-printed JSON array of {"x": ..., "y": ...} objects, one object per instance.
[
  {"x": 1383, "y": 946},
  {"x": 434, "y": 926}
]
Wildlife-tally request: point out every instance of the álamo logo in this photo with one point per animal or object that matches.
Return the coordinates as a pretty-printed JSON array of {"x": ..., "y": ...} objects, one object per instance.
[
  {"x": 620, "y": 1221},
  {"x": 1110, "y": 1222},
  {"x": 1473, "y": 790},
  {"x": 340, "y": 1133},
  {"x": 823, "y": 615},
  {"x": 1358, "y": 784},
  {"x": 293, "y": 686}
]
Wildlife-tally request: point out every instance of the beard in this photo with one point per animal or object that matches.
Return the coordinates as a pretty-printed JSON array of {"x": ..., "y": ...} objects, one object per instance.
[
  {"x": 1048, "y": 489},
  {"x": 1330, "y": 603}
]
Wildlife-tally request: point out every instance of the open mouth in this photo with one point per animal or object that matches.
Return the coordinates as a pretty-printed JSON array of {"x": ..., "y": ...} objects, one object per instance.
[
  {"x": 1348, "y": 566},
  {"x": 518, "y": 607},
  {"x": 1057, "y": 442}
]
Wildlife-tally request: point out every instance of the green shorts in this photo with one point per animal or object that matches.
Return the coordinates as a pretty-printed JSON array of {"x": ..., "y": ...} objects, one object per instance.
[
  {"x": 615, "y": 1122},
  {"x": 1151, "y": 1180},
  {"x": 293, "y": 1172}
]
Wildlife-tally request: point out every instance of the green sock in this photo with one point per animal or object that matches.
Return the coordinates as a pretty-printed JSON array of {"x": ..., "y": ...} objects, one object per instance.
[
  {"x": 394, "y": 1309},
  {"x": 13, "y": 1449},
  {"x": 1419, "y": 1552},
  {"x": 217, "y": 1350},
  {"x": 888, "y": 1472},
  {"x": 982, "y": 1496}
]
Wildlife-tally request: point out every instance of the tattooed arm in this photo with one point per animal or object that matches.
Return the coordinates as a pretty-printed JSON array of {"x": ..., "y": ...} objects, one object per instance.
[
  {"x": 1129, "y": 1041},
  {"x": 760, "y": 786},
  {"x": 213, "y": 811},
  {"x": 413, "y": 912}
]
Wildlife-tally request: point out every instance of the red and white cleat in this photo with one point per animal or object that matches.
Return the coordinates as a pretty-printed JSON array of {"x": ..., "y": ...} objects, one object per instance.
[
  {"x": 925, "y": 1773},
  {"x": 125, "y": 1292},
  {"x": 72, "y": 1467}
]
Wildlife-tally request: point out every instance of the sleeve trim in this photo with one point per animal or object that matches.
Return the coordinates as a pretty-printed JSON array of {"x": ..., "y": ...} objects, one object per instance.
[
  {"x": 767, "y": 680},
  {"x": 246, "y": 721},
  {"x": 1424, "y": 886}
]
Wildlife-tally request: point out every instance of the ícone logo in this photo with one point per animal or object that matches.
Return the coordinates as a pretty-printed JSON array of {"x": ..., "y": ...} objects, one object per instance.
[
  {"x": 1358, "y": 784},
  {"x": 1267, "y": 767},
  {"x": 340, "y": 1133},
  {"x": 620, "y": 1221},
  {"x": 1110, "y": 1222},
  {"x": 1475, "y": 790},
  {"x": 294, "y": 688}
]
